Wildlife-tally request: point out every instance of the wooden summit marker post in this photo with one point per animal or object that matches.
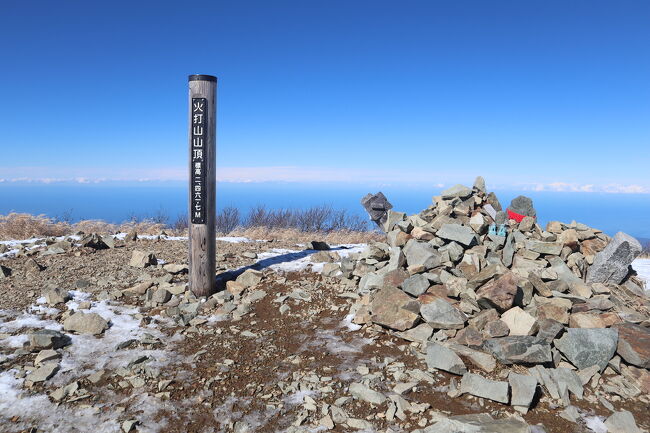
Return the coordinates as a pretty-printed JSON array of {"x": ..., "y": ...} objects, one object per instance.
[{"x": 202, "y": 191}]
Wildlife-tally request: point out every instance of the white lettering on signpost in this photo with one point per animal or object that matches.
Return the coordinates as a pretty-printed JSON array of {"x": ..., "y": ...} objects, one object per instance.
[{"x": 199, "y": 159}]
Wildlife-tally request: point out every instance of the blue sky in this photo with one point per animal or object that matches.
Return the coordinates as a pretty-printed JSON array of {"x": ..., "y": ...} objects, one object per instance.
[{"x": 546, "y": 95}]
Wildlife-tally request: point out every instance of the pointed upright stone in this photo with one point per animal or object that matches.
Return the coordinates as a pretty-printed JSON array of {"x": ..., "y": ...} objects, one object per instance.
[
  {"x": 523, "y": 389},
  {"x": 612, "y": 264},
  {"x": 479, "y": 184}
]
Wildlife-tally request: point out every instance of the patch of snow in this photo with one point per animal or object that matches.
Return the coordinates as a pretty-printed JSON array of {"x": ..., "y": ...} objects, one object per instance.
[
  {"x": 150, "y": 237},
  {"x": 255, "y": 420},
  {"x": 89, "y": 353},
  {"x": 15, "y": 341},
  {"x": 37, "y": 242},
  {"x": 42, "y": 309},
  {"x": 642, "y": 267},
  {"x": 596, "y": 424},
  {"x": 175, "y": 238},
  {"x": 28, "y": 320},
  {"x": 284, "y": 260},
  {"x": 214, "y": 318},
  {"x": 37, "y": 410},
  {"x": 77, "y": 298},
  {"x": 153, "y": 237},
  {"x": 225, "y": 414},
  {"x": 15, "y": 243},
  {"x": 347, "y": 322},
  {"x": 78, "y": 295},
  {"x": 234, "y": 239},
  {"x": 8, "y": 253},
  {"x": 348, "y": 249},
  {"x": 298, "y": 397},
  {"x": 52, "y": 418},
  {"x": 334, "y": 343}
]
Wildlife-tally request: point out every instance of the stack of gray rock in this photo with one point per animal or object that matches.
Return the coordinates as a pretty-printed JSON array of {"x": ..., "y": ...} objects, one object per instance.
[{"x": 561, "y": 301}]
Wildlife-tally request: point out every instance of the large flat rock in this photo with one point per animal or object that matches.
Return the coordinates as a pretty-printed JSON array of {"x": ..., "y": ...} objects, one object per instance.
[
  {"x": 479, "y": 386},
  {"x": 455, "y": 232},
  {"x": 520, "y": 349},
  {"x": 589, "y": 346}
]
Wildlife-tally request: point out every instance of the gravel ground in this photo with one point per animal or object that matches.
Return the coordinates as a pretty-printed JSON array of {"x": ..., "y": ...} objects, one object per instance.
[{"x": 277, "y": 355}]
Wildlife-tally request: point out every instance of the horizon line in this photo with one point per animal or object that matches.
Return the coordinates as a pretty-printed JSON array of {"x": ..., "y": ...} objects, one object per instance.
[{"x": 568, "y": 187}]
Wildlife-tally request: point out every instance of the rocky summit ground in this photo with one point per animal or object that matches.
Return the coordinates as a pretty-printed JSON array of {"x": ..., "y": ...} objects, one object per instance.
[{"x": 100, "y": 334}]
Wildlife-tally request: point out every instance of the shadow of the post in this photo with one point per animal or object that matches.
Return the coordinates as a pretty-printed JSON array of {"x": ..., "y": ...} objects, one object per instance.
[{"x": 232, "y": 274}]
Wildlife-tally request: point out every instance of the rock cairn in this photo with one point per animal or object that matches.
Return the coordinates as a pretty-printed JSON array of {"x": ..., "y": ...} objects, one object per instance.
[{"x": 536, "y": 311}]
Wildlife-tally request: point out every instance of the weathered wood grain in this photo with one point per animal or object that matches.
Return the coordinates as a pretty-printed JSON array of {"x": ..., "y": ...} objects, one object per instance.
[{"x": 202, "y": 244}]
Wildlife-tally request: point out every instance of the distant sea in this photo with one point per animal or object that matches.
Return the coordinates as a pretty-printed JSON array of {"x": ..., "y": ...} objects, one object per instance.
[{"x": 118, "y": 202}]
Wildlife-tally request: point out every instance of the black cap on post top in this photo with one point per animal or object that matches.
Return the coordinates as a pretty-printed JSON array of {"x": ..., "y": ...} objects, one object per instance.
[{"x": 200, "y": 77}]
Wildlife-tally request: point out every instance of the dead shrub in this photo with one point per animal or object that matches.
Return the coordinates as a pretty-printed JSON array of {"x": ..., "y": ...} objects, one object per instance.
[
  {"x": 227, "y": 220},
  {"x": 314, "y": 219},
  {"x": 299, "y": 225}
]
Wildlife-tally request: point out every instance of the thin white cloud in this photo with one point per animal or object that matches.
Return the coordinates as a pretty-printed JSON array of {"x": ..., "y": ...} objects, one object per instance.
[
  {"x": 626, "y": 189},
  {"x": 576, "y": 187},
  {"x": 436, "y": 179}
]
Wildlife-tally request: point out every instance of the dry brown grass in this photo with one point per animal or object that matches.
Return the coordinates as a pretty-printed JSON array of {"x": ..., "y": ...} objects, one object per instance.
[
  {"x": 294, "y": 235},
  {"x": 142, "y": 227},
  {"x": 25, "y": 226}
]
